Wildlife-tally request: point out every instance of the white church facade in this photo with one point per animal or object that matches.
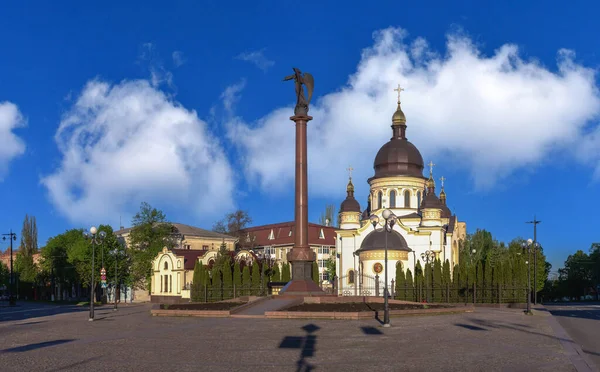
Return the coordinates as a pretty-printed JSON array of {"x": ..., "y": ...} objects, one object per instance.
[{"x": 423, "y": 226}]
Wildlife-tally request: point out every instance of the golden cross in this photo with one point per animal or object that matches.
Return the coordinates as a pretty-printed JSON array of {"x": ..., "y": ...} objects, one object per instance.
[
  {"x": 399, "y": 89},
  {"x": 442, "y": 179},
  {"x": 350, "y": 169},
  {"x": 431, "y": 165}
]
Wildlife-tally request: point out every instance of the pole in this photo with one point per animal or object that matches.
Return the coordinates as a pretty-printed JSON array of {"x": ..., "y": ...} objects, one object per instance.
[
  {"x": 116, "y": 281},
  {"x": 535, "y": 223},
  {"x": 92, "y": 286},
  {"x": 11, "y": 299},
  {"x": 529, "y": 281},
  {"x": 103, "y": 289},
  {"x": 386, "y": 308}
]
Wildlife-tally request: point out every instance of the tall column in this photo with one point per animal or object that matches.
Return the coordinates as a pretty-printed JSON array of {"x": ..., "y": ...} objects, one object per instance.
[{"x": 301, "y": 256}]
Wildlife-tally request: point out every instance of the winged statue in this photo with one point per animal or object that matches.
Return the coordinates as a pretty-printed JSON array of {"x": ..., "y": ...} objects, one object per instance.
[{"x": 302, "y": 79}]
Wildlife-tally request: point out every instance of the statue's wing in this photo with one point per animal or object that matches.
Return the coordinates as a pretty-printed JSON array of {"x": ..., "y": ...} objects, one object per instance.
[{"x": 309, "y": 81}]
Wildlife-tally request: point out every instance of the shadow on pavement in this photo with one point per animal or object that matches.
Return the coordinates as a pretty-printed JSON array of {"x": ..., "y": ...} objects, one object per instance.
[
  {"x": 577, "y": 313},
  {"x": 306, "y": 344},
  {"x": 29, "y": 312},
  {"x": 471, "y": 327},
  {"x": 38, "y": 345},
  {"x": 371, "y": 331}
]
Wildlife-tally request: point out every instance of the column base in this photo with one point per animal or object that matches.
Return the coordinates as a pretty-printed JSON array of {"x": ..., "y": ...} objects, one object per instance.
[{"x": 302, "y": 283}]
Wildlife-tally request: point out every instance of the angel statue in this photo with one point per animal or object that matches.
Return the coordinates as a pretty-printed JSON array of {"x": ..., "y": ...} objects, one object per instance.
[{"x": 306, "y": 79}]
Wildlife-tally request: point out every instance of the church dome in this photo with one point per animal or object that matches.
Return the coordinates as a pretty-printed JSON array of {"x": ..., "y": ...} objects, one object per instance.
[
  {"x": 376, "y": 241},
  {"x": 398, "y": 157},
  {"x": 350, "y": 204}
]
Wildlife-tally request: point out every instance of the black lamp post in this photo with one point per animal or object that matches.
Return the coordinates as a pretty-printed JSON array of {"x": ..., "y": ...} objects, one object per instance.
[
  {"x": 390, "y": 220},
  {"x": 535, "y": 249},
  {"x": 116, "y": 252},
  {"x": 428, "y": 256},
  {"x": 527, "y": 246},
  {"x": 95, "y": 238},
  {"x": 11, "y": 236}
]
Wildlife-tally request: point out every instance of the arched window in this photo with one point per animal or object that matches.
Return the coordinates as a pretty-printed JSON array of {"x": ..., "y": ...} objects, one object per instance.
[
  {"x": 418, "y": 199},
  {"x": 406, "y": 199},
  {"x": 351, "y": 277},
  {"x": 166, "y": 266},
  {"x": 380, "y": 200},
  {"x": 393, "y": 199}
]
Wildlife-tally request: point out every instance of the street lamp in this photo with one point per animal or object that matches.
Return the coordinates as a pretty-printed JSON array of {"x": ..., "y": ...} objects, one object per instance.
[
  {"x": 390, "y": 220},
  {"x": 95, "y": 239},
  {"x": 116, "y": 252},
  {"x": 527, "y": 246},
  {"x": 428, "y": 256},
  {"x": 11, "y": 236}
]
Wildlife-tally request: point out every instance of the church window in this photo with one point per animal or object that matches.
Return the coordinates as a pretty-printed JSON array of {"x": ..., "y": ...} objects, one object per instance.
[
  {"x": 393, "y": 199},
  {"x": 351, "y": 277},
  {"x": 406, "y": 199},
  {"x": 161, "y": 283},
  {"x": 380, "y": 200},
  {"x": 418, "y": 199},
  {"x": 166, "y": 283},
  {"x": 166, "y": 266},
  {"x": 170, "y": 283}
]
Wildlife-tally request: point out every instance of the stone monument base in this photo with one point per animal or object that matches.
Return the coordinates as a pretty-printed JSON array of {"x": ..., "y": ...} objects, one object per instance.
[{"x": 302, "y": 283}]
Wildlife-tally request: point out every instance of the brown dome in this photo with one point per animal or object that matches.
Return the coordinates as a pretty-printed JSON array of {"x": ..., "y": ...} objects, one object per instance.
[
  {"x": 398, "y": 157},
  {"x": 350, "y": 204}
]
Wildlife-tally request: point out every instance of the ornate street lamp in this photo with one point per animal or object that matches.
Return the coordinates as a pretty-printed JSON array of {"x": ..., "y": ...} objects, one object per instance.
[
  {"x": 528, "y": 246},
  {"x": 95, "y": 239},
  {"x": 428, "y": 256},
  {"x": 11, "y": 236},
  {"x": 389, "y": 221}
]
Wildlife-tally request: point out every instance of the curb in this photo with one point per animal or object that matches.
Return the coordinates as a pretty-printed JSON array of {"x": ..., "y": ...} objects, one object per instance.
[{"x": 576, "y": 355}]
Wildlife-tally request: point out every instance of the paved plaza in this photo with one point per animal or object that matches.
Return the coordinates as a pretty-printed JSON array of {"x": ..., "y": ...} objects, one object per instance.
[{"x": 132, "y": 340}]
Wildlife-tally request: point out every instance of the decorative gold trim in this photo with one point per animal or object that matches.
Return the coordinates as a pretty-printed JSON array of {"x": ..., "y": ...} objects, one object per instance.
[{"x": 380, "y": 255}]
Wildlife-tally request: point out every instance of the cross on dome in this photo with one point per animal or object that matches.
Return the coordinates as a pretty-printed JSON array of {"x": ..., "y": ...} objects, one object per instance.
[
  {"x": 350, "y": 169},
  {"x": 442, "y": 179},
  {"x": 399, "y": 89},
  {"x": 431, "y": 165}
]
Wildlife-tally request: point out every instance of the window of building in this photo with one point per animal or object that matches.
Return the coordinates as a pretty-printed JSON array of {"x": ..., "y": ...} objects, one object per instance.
[
  {"x": 323, "y": 276},
  {"x": 380, "y": 199},
  {"x": 323, "y": 250},
  {"x": 393, "y": 199},
  {"x": 321, "y": 234},
  {"x": 271, "y": 235},
  {"x": 351, "y": 277},
  {"x": 205, "y": 247},
  {"x": 166, "y": 266},
  {"x": 161, "y": 283},
  {"x": 407, "y": 199},
  {"x": 187, "y": 246},
  {"x": 418, "y": 199},
  {"x": 166, "y": 283},
  {"x": 322, "y": 263},
  {"x": 269, "y": 250},
  {"x": 170, "y": 283}
]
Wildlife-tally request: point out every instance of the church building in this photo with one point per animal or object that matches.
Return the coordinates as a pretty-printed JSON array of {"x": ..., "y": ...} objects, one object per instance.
[{"x": 422, "y": 226}]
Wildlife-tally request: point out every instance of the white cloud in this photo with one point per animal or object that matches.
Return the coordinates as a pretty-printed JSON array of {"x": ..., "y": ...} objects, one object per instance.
[
  {"x": 231, "y": 94},
  {"x": 11, "y": 145},
  {"x": 258, "y": 58},
  {"x": 178, "y": 58},
  {"x": 488, "y": 115},
  {"x": 127, "y": 143}
]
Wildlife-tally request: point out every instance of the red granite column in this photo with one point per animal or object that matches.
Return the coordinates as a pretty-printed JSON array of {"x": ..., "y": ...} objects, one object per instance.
[{"x": 301, "y": 256}]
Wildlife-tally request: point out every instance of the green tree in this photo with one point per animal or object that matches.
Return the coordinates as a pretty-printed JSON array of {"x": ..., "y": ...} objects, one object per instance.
[
  {"x": 330, "y": 268},
  {"x": 410, "y": 291},
  {"x": 276, "y": 275},
  {"x": 446, "y": 280},
  {"x": 216, "y": 283},
  {"x": 437, "y": 281},
  {"x": 255, "y": 279},
  {"x": 315, "y": 272},
  {"x": 237, "y": 276},
  {"x": 400, "y": 282},
  {"x": 150, "y": 233},
  {"x": 29, "y": 236},
  {"x": 227, "y": 276},
  {"x": 246, "y": 281},
  {"x": 286, "y": 275},
  {"x": 4, "y": 275},
  {"x": 419, "y": 278},
  {"x": 197, "y": 289}
]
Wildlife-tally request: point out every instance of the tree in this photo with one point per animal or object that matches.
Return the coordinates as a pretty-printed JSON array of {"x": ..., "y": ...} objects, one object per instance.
[
  {"x": 237, "y": 276},
  {"x": 437, "y": 281},
  {"x": 419, "y": 287},
  {"x": 29, "y": 243},
  {"x": 400, "y": 282},
  {"x": 330, "y": 268},
  {"x": 233, "y": 223},
  {"x": 198, "y": 282},
  {"x": 255, "y": 279},
  {"x": 286, "y": 275},
  {"x": 216, "y": 283},
  {"x": 227, "y": 275},
  {"x": 446, "y": 280},
  {"x": 246, "y": 282},
  {"x": 276, "y": 275},
  {"x": 149, "y": 235},
  {"x": 328, "y": 215},
  {"x": 315, "y": 272},
  {"x": 410, "y": 291},
  {"x": 4, "y": 275}
]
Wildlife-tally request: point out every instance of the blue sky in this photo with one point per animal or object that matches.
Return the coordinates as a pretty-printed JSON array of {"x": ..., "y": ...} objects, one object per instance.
[{"x": 103, "y": 106}]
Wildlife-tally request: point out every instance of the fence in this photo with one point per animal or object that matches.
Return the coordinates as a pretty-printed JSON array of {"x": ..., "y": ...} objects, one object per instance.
[{"x": 209, "y": 293}]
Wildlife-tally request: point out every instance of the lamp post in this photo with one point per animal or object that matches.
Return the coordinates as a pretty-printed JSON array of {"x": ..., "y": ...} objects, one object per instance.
[
  {"x": 11, "y": 236},
  {"x": 116, "y": 252},
  {"x": 428, "y": 256},
  {"x": 390, "y": 220},
  {"x": 527, "y": 246},
  {"x": 95, "y": 238},
  {"x": 535, "y": 247}
]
